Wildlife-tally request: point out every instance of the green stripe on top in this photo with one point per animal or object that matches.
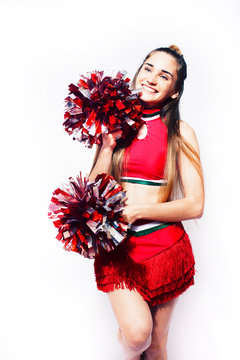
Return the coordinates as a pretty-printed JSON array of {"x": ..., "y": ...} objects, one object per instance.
[
  {"x": 144, "y": 181},
  {"x": 147, "y": 231},
  {"x": 155, "y": 113}
]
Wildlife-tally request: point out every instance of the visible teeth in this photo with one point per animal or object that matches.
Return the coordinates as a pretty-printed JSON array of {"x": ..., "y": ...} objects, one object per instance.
[{"x": 149, "y": 89}]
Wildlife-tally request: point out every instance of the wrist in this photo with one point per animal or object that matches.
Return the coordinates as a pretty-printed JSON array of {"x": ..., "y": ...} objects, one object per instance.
[
  {"x": 106, "y": 149},
  {"x": 143, "y": 211},
  {"x": 139, "y": 212}
]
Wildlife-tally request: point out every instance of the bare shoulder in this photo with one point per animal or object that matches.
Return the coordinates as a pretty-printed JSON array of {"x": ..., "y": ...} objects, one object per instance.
[
  {"x": 186, "y": 130},
  {"x": 188, "y": 133}
]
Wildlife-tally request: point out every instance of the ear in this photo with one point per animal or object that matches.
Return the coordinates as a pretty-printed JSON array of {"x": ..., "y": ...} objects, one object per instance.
[{"x": 174, "y": 95}]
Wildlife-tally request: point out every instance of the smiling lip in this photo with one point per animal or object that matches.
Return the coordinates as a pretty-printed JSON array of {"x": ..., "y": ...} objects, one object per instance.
[{"x": 144, "y": 85}]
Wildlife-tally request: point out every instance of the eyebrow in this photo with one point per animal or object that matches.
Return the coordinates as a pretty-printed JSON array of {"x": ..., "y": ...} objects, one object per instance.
[{"x": 164, "y": 71}]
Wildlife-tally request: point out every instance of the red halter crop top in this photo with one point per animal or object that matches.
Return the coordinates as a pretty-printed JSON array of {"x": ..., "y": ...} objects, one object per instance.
[{"x": 144, "y": 160}]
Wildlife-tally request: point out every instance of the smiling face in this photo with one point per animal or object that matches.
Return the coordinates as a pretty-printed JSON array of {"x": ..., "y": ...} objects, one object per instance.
[{"x": 157, "y": 79}]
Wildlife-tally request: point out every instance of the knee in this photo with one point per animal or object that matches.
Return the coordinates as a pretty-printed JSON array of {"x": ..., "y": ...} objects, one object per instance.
[
  {"x": 139, "y": 336},
  {"x": 157, "y": 348},
  {"x": 163, "y": 341}
]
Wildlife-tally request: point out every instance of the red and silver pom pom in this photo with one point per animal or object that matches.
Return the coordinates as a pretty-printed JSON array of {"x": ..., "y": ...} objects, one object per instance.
[
  {"x": 88, "y": 214},
  {"x": 102, "y": 104}
]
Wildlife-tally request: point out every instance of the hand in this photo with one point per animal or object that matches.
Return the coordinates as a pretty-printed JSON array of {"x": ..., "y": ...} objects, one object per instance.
[
  {"x": 131, "y": 213},
  {"x": 109, "y": 140}
]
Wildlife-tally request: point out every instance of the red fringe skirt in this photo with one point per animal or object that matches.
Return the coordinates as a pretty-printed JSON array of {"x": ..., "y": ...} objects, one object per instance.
[{"x": 160, "y": 277}]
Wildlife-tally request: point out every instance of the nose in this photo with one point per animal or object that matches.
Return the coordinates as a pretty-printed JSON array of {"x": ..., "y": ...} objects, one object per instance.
[{"x": 151, "y": 79}]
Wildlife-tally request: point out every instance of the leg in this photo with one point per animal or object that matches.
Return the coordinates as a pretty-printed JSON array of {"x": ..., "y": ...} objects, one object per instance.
[
  {"x": 162, "y": 315},
  {"x": 135, "y": 321}
]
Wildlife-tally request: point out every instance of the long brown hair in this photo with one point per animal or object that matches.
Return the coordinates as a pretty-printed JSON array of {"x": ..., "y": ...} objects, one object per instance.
[{"x": 176, "y": 143}]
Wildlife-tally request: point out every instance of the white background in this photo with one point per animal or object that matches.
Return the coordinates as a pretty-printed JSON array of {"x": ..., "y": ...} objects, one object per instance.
[{"x": 49, "y": 305}]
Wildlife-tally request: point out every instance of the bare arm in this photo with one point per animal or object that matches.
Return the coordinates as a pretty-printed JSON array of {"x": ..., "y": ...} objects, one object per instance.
[
  {"x": 105, "y": 155},
  {"x": 190, "y": 206}
]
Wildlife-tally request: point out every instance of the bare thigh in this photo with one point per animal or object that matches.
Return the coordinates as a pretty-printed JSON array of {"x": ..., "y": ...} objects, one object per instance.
[
  {"x": 132, "y": 311},
  {"x": 161, "y": 315}
]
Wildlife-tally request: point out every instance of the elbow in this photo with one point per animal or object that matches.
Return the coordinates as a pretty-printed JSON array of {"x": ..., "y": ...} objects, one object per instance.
[
  {"x": 198, "y": 209},
  {"x": 199, "y": 214}
]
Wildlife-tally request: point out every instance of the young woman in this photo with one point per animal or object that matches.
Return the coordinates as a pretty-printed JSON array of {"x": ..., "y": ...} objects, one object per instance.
[{"x": 160, "y": 170}]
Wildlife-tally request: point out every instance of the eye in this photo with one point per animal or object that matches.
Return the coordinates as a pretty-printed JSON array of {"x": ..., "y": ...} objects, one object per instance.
[
  {"x": 147, "y": 69},
  {"x": 164, "y": 77}
]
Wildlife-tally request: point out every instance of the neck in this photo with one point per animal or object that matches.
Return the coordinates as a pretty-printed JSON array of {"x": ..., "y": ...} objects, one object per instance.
[{"x": 152, "y": 110}]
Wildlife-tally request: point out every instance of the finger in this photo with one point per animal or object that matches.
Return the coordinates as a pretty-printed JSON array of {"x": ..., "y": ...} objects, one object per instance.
[{"x": 116, "y": 132}]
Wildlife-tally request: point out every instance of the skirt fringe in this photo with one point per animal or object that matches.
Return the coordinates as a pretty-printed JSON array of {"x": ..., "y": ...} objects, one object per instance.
[{"x": 158, "y": 279}]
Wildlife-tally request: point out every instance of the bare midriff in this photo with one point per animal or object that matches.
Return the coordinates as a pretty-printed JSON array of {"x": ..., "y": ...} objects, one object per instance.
[{"x": 138, "y": 194}]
